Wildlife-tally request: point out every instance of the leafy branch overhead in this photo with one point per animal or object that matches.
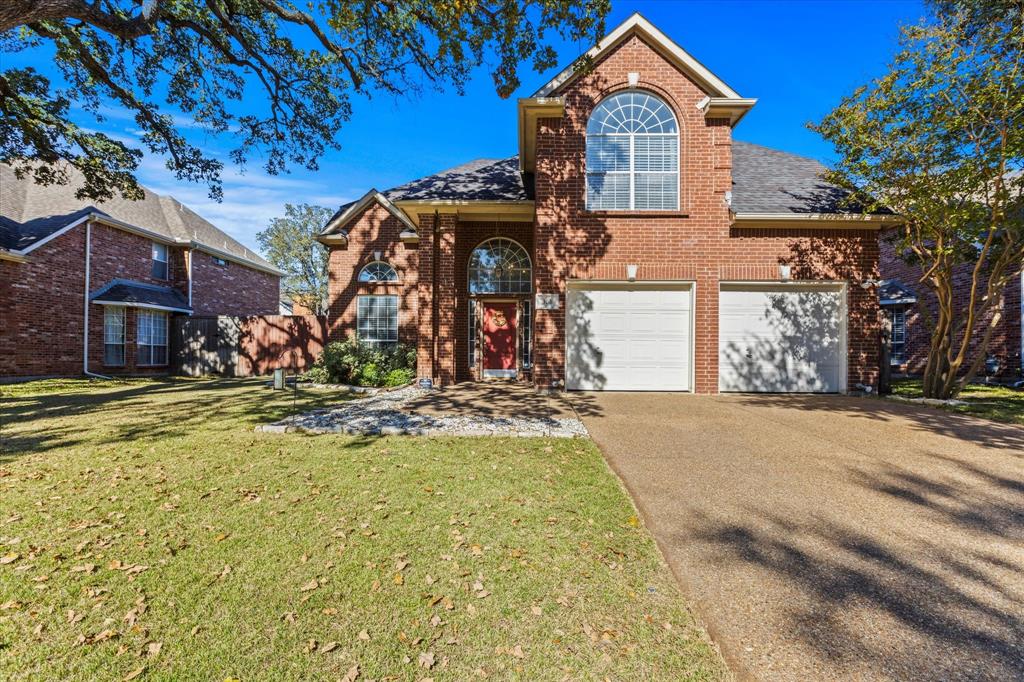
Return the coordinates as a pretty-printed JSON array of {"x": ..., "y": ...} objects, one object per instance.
[
  {"x": 276, "y": 76},
  {"x": 939, "y": 139}
]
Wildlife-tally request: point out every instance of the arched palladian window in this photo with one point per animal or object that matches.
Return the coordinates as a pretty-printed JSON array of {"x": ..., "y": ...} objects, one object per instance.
[
  {"x": 499, "y": 266},
  {"x": 632, "y": 154},
  {"x": 378, "y": 271}
]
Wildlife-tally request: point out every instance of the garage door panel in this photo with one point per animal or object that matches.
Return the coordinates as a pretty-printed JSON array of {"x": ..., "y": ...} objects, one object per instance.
[
  {"x": 628, "y": 338},
  {"x": 779, "y": 339}
]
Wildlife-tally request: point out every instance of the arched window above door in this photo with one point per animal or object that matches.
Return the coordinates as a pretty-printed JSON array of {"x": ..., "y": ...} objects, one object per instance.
[{"x": 500, "y": 266}]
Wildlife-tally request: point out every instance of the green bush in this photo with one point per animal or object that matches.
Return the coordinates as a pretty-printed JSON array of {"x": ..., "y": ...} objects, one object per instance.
[
  {"x": 317, "y": 375},
  {"x": 353, "y": 362},
  {"x": 399, "y": 377}
]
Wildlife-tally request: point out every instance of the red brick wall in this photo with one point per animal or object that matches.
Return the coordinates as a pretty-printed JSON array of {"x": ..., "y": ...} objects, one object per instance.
[
  {"x": 232, "y": 289},
  {"x": 374, "y": 230},
  {"x": 1006, "y": 340},
  {"x": 41, "y": 300},
  {"x": 41, "y": 303},
  {"x": 694, "y": 243}
]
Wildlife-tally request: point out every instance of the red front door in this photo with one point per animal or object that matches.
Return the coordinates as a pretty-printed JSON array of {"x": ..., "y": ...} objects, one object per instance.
[{"x": 499, "y": 338}]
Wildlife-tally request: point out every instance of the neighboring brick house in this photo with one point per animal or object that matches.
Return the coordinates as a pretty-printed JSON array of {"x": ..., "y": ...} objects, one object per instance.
[
  {"x": 904, "y": 298},
  {"x": 632, "y": 244},
  {"x": 137, "y": 263}
]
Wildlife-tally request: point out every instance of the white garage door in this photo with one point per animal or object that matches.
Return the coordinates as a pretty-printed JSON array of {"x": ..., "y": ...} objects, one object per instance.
[
  {"x": 781, "y": 338},
  {"x": 628, "y": 337}
]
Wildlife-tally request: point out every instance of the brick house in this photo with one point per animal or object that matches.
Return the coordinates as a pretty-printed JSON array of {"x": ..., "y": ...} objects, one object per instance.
[
  {"x": 904, "y": 299},
  {"x": 631, "y": 244},
  {"x": 120, "y": 269}
]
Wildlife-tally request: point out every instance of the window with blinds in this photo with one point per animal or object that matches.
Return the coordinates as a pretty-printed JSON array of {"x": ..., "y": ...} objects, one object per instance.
[
  {"x": 377, "y": 320},
  {"x": 632, "y": 155}
]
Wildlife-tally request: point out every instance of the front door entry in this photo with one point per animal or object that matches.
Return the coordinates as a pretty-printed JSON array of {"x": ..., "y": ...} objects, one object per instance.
[{"x": 499, "y": 327}]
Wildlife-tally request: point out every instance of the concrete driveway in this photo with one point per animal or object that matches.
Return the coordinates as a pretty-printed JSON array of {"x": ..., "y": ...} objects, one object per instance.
[{"x": 832, "y": 537}]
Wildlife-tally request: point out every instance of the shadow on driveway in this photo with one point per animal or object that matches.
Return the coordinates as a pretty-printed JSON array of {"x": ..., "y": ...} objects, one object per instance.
[{"x": 834, "y": 537}]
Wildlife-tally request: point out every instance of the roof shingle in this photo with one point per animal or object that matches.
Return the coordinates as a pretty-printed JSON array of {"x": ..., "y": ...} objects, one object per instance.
[{"x": 31, "y": 212}]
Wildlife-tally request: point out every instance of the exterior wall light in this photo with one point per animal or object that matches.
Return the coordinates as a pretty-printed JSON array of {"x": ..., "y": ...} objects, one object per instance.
[
  {"x": 631, "y": 273},
  {"x": 785, "y": 272},
  {"x": 634, "y": 79},
  {"x": 377, "y": 255}
]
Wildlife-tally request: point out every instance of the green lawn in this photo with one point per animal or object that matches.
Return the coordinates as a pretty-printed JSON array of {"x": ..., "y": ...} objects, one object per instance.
[
  {"x": 992, "y": 402},
  {"x": 147, "y": 531}
]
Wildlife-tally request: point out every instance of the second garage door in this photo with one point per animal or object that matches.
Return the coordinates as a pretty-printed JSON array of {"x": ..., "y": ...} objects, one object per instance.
[
  {"x": 781, "y": 338},
  {"x": 628, "y": 337}
]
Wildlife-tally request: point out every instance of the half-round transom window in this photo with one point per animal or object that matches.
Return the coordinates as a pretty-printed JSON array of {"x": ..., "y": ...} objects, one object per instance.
[
  {"x": 499, "y": 266},
  {"x": 378, "y": 272},
  {"x": 632, "y": 154}
]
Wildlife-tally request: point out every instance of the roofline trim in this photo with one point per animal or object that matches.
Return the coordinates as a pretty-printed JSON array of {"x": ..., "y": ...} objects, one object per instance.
[
  {"x": 150, "y": 306},
  {"x": 637, "y": 24},
  {"x": 357, "y": 207},
  {"x": 814, "y": 220},
  {"x": 12, "y": 255},
  {"x": 142, "y": 232}
]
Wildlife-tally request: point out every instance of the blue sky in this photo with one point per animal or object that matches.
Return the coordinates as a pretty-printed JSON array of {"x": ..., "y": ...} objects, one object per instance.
[{"x": 798, "y": 58}]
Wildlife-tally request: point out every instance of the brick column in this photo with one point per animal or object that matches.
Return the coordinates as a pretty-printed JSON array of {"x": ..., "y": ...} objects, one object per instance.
[
  {"x": 425, "y": 294},
  {"x": 447, "y": 343}
]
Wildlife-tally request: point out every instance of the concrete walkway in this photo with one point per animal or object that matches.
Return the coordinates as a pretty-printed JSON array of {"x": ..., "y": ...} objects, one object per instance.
[{"x": 829, "y": 537}]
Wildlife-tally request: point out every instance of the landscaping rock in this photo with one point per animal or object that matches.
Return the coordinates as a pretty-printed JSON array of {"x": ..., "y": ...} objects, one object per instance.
[{"x": 383, "y": 414}]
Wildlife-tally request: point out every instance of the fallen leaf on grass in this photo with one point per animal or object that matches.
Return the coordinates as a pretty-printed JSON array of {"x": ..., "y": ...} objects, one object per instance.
[
  {"x": 135, "y": 673},
  {"x": 398, "y": 579},
  {"x": 426, "y": 660},
  {"x": 311, "y": 585},
  {"x": 536, "y": 610},
  {"x": 400, "y": 565},
  {"x": 288, "y": 617},
  {"x": 9, "y": 558},
  {"x": 436, "y": 620},
  {"x": 351, "y": 675},
  {"x": 429, "y": 580},
  {"x": 375, "y": 587},
  {"x": 364, "y": 635},
  {"x": 153, "y": 649},
  {"x": 84, "y": 568},
  {"x": 327, "y": 648},
  {"x": 311, "y": 645}
]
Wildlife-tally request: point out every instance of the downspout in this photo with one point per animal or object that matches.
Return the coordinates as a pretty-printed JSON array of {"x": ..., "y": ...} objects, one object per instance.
[
  {"x": 85, "y": 323},
  {"x": 190, "y": 277},
  {"x": 435, "y": 322}
]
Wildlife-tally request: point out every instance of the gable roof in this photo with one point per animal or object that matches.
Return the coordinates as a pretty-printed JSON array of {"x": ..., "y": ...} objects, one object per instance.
[
  {"x": 490, "y": 180},
  {"x": 771, "y": 182},
  {"x": 638, "y": 25},
  {"x": 31, "y": 213}
]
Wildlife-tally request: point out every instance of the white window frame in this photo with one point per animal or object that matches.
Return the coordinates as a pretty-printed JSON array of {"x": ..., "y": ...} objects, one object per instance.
[
  {"x": 157, "y": 246},
  {"x": 632, "y": 172},
  {"x": 377, "y": 339},
  {"x": 114, "y": 333},
  {"x": 392, "y": 275},
  {"x": 146, "y": 342}
]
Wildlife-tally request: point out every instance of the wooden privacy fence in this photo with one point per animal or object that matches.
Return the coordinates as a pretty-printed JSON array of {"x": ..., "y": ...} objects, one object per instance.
[{"x": 245, "y": 346}]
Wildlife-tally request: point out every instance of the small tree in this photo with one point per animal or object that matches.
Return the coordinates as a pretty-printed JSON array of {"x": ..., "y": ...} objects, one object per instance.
[
  {"x": 290, "y": 244},
  {"x": 940, "y": 140},
  {"x": 276, "y": 75}
]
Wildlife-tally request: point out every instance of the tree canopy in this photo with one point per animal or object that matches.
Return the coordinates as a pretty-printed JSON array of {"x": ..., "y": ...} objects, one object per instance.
[
  {"x": 939, "y": 139},
  {"x": 289, "y": 242},
  {"x": 213, "y": 60}
]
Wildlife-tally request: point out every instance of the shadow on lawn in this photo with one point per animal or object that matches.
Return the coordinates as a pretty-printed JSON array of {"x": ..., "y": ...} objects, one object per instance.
[
  {"x": 947, "y": 578},
  {"x": 922, "y": 418},
  {"x": 158, "y": 411}
]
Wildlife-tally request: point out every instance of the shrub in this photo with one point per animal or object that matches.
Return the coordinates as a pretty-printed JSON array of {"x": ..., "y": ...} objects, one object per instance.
[
  {"x": 316, "y": 374},
  {"x": 399, "y": 377},
  {"x": 353, "y": 362}
]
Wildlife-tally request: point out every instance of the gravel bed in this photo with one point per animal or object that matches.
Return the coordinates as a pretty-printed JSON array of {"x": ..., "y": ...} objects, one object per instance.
[{"x": 382, "y": 414}]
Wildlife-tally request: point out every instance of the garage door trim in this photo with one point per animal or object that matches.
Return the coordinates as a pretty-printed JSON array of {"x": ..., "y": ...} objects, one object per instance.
[
  {"x": 840, "y": 286},
  {"x": 607, "y": 284}
]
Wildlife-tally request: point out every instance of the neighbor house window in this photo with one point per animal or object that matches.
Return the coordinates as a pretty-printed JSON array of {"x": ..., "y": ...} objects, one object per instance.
[
  {"x": 113, "y": 336},
  {"x": 377, "y": 319},
  {"x": 151, "y": 337},
  {"x": 632, "y": 155},
  {"x": 160, "y": 261},
  {"x": 378, "y": 272},
  {"x": 898, "y": 342}
]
